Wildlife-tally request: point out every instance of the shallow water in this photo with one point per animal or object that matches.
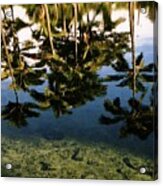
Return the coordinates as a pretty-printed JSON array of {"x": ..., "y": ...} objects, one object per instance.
[{"x": 83, "y": 124}]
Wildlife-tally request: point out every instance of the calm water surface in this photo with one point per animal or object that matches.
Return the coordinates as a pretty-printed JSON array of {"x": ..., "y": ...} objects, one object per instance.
[{"x": 83, "y": 123}]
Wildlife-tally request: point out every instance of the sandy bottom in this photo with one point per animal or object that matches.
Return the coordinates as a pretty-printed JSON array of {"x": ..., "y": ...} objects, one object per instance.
[{"x": 70, "y": 159}]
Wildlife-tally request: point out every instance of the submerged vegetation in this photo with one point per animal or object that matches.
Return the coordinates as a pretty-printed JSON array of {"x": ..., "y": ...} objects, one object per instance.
[
  {"x": 71, "y": 159},
  {"x": 57, "y": 69}
]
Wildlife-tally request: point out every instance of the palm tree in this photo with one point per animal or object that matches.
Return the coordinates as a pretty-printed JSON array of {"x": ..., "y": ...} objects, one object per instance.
[
  {"x": 49, "y": 28},
  {"x": 7, "y": 54},
  {"x": 132, "y": 33},
  {"x": 63, "y": 8},
  {"x": 75, "y": 29},
  {"x": 138, "y": 117}
]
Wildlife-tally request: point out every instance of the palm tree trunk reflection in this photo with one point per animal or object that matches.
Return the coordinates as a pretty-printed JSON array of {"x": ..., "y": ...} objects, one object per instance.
[
  {"x": 49, "y": 28},
  {"x": 7, "y": 54},
  {"x": 9, "y": 64},
  {"x": 132, "y": 34},
  {"x": 75, "y": 30}
]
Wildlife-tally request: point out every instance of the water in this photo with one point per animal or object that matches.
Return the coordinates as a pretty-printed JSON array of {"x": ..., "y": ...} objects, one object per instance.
[{"x": 83, "y": 124}]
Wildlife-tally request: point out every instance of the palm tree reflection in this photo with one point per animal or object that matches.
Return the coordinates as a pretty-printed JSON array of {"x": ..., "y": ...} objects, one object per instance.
[
  {"x": 17, "y": 113},
  {"x": 138, "y": 117},
  {"x": 68, "y": 90}
]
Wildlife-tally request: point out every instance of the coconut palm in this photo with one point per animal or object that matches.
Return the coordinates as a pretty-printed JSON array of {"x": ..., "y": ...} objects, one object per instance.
[
  {"x": 132, "y": 34},
  {"x": 138, "y": 117},
  {"x": 75, "y": 29},
  {"x": 8, "y": 58},
  {"x": 49, "y": 28}
]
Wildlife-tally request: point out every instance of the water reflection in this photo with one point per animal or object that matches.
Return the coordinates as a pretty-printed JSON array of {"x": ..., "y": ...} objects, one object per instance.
[
  {"x": 138, "y": 117},
  {"x": 17, "y": 113}
]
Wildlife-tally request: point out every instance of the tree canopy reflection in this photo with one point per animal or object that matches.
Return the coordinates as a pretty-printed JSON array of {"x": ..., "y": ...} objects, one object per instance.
[{"x": 67, "y": 61}]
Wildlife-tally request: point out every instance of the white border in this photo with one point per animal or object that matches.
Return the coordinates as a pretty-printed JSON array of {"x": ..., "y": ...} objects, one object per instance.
[{"x": 63, "y": 182}]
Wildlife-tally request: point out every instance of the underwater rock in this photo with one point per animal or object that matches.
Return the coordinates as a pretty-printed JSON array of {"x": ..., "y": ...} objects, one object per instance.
[
  {"x": 44, "y": 166},
  {"x": 92, "y": 162},
  {"x": 128, "y": 163},
  {"x": 77, "y": 156}
]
